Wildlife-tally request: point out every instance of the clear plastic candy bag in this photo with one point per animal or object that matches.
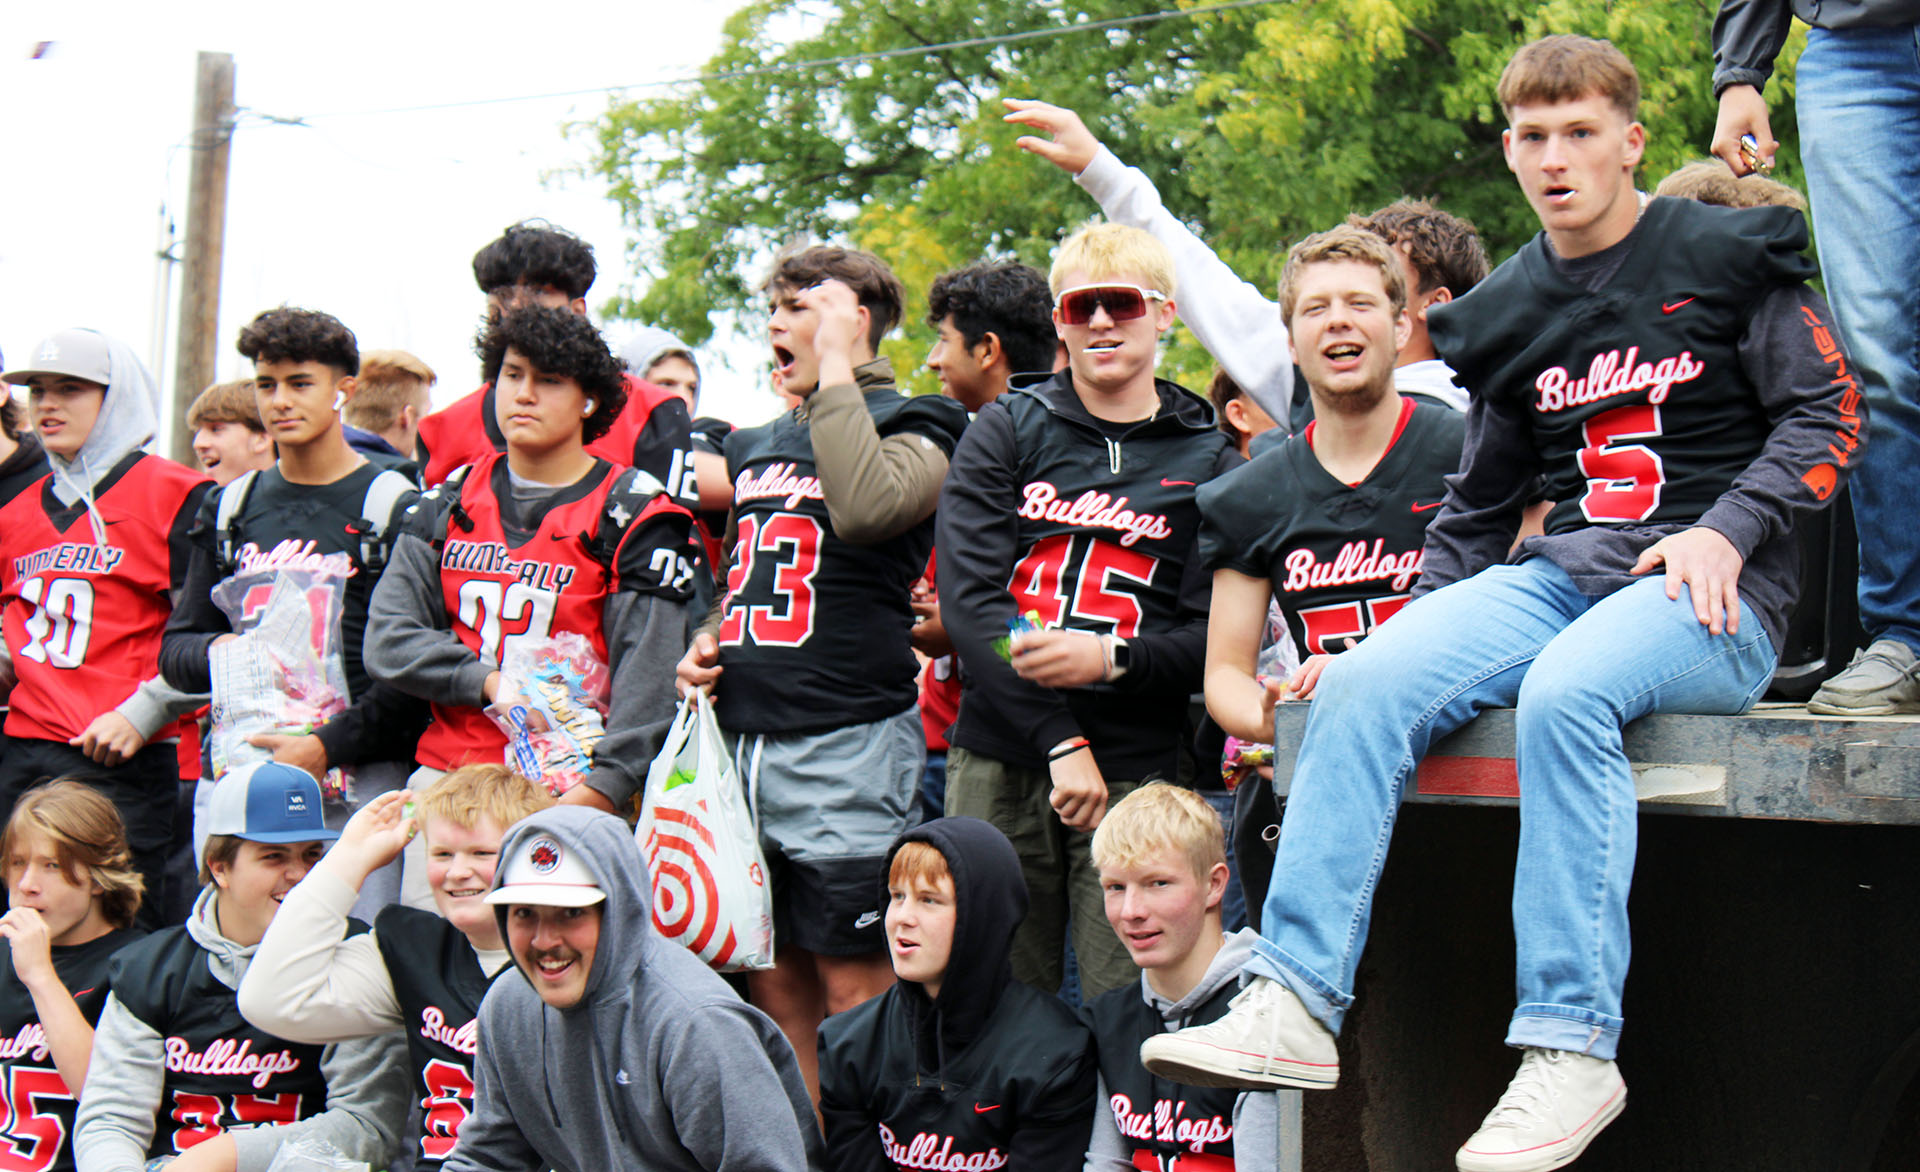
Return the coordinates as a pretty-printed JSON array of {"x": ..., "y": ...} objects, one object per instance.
[
  {"x": 285, "y": 674},
  {"x": 552, "y": 704}
]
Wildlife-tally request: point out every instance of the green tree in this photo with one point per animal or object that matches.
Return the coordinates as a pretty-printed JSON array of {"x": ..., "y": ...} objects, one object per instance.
[{"x": 1259, "y": 124}]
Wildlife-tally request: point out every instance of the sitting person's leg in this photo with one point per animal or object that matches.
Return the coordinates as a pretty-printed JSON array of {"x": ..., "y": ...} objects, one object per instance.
[
  {"x": 1635, "y": 652},
  {"x": 1377, "y": 708}
]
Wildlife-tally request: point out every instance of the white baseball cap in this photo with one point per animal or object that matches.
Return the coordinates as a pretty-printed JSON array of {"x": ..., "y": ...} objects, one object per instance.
[
  {"x": 544, "y": 872},
  {"x": 75, "y": 353}
]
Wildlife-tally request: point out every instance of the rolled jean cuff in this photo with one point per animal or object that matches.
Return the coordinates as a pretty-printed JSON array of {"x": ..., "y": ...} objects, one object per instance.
[
  {"x": 1565, "y": 1027},
  {"x": 1322, "y": 999}
]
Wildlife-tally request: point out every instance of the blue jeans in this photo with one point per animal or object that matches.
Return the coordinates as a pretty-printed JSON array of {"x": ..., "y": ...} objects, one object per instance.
[
  {"x": 1233, "y": 905},
  {"x": 1859, "y": 101},
  {"x": 1577, "y": 669}
]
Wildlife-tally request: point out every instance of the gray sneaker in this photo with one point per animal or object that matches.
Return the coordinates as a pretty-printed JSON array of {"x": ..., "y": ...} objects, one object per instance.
[{"x": 1883, "y": 680}]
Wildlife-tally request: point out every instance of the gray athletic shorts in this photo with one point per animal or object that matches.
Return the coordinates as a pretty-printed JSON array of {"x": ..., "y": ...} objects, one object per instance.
[{"x": 830, "y": 804}]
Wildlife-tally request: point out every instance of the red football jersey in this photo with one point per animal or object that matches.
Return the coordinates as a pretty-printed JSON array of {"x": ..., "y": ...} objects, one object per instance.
[
  {"x": 466, "y": 430},
  {"x": 496, "y": 593},
  {"x": 83, "y": 620}
]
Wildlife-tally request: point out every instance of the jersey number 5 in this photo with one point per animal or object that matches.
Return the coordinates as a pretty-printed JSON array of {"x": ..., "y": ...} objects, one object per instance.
[
  {"x": 62, "y": 620},
  {"x": 1623, "y": 480},
  {"x": 792, "y": 541},
  {"x": 33, "y": 1137}
]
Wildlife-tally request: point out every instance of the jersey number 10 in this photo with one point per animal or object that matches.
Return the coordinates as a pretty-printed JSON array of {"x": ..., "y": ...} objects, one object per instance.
[{"x": 61, "y": 624}]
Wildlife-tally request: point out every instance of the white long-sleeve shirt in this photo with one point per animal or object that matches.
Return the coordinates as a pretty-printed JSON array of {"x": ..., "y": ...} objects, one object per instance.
[{"x": 1239, "y": 325}]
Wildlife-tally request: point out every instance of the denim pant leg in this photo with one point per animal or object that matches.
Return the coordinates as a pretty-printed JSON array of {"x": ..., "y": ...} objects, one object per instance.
[
  {"x": 1633, "y": 652},
  {"x": 1859, "y": 103},
  {"x": 1416, "y": 678}
]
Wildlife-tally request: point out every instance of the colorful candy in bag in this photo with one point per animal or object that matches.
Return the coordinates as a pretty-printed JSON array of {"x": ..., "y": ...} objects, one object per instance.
[
  {"x": 283, "y": 675},
  {"x": 552, "y": 705}
]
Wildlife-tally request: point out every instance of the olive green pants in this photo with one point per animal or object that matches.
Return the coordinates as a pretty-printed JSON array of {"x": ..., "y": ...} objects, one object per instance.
[{"x": 1063, "y": 885}]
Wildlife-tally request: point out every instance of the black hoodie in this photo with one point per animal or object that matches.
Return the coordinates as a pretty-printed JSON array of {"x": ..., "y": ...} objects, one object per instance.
[
  {"x": 990, "y": 1074},
  {"x": 1095, "y": 526}
]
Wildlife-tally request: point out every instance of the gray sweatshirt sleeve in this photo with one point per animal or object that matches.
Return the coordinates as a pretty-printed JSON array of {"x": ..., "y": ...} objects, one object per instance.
[
  {"x": 154, "y": 703},
  {"x": 366, "y": 1103},
  {"x": 645, "y": 635},
  {"x": 1266, "y": 1129},
  {"x": 125, "y": 1078},
  {"x": 1107, "y": 1151},
  {"x": 1232, "y": 318},
  {"x": 409, "y": 642},
  {"x": 726, "y": 1098}
]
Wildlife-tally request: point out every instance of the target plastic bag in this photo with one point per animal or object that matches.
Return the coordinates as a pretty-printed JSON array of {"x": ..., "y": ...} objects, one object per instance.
[
  {"x": 552, "y": 705},
  {"x": 285, "y": 674},
  {"x": 710, "y": 888}
]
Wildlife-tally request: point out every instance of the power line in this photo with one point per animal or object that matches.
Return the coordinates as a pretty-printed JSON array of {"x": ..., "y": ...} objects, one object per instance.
[{"x": 816, "y": 63}]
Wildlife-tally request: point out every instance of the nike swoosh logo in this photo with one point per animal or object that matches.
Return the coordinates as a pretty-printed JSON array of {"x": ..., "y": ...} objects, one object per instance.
[
  {"x": 84, "y": 992},
  {"x": 979, "y": 1110},
  {"x": 1420, "y": 508},
  {"x": 867, "y": 920},
  {"x": 1664, "y": 308},
  {"x": 1165, "y": 483}
]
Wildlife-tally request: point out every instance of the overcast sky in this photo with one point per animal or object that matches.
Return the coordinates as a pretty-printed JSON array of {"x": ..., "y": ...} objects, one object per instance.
[{"x": 372, "y": 217}]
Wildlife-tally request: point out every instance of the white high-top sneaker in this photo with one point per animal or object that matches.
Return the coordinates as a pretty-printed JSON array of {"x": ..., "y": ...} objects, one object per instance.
[
  {"x": 1266, "y": 1039},
  {"x": 1553, "y": 1108}
]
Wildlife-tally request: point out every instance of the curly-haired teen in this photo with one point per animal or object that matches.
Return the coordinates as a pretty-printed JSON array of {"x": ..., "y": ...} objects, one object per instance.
[
  {"x": 544, "y": 538},
  {"x": 536, "y": 264},
  {"x": 325, "y": 505}
]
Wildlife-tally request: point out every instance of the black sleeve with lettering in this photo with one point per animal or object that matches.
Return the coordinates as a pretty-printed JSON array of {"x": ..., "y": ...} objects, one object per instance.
[{"x": 196, "y": 622}]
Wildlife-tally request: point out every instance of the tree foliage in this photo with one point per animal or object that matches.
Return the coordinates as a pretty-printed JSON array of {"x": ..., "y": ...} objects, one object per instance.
[{"x": 1258, "y": 124}]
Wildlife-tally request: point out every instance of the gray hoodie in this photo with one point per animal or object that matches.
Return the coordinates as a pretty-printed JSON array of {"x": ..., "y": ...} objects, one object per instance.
[
  {"x": 1266, "y": 1124},
  {"x": 126, "y": 1082},
  {"x": 127, "y": 422},
  {"x": 658, "y": 1068}
]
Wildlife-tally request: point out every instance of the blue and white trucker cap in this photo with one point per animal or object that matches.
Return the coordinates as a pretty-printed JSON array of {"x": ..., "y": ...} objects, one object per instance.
[{"x": 268, "y": 802}]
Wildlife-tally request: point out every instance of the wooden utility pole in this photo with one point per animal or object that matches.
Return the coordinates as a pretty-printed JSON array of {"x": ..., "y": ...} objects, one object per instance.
[{"x": 212, "y": 141}]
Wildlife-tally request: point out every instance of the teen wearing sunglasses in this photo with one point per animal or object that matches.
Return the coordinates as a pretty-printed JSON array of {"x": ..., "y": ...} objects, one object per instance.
[{"x": 1074, "y": 498}]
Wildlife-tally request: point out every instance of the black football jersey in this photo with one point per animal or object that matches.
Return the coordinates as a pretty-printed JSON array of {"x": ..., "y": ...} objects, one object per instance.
[
  {"x": 222, "y": 1073},
  {"x": 37, "y": 1135},
  {"x": 1640, "y": 409},
  {"x": 439, "y": 984},
  {"x": 1342, "y": 558},
  {"x": 1168, "y": 1127},
  {"x": 815, "y": 629}
]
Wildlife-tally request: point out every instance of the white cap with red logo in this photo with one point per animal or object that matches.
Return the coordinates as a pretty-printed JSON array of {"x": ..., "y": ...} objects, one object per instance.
[{"x": 543, "y": 872}]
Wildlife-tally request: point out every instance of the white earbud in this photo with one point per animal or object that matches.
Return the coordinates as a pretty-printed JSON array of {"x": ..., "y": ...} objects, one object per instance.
[
  {"x": 591, "y": 405},
  {"x": 339, "y": 400}
]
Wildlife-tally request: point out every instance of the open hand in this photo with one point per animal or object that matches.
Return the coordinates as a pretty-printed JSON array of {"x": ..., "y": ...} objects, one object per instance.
[
  {"x": 1072, "y": 146},
  {"x": 1708, "y": 564}
]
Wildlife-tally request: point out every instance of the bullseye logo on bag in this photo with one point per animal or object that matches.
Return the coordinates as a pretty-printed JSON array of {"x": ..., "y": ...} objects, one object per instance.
[{"x": 543, "y": 855}]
